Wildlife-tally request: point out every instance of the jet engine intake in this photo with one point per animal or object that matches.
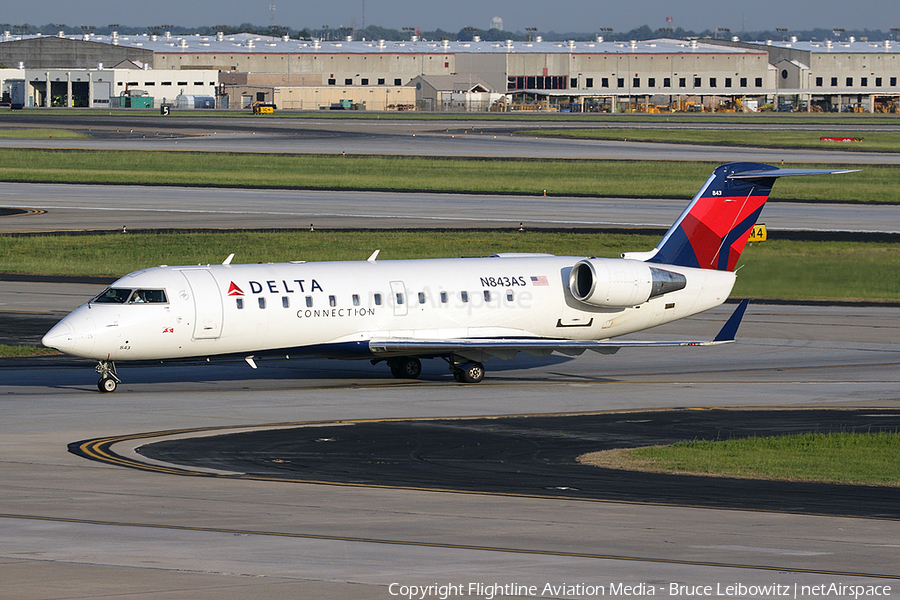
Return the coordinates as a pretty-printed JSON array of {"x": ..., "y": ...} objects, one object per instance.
[{"x": 617, "y": 283}]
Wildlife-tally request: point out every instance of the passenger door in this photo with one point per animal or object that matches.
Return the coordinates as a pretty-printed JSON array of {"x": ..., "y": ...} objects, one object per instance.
[{"x": 207, "y": 303}]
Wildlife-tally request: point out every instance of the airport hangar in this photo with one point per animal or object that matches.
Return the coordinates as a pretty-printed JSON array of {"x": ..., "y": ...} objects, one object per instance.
[{"x": 240, "y": 69}]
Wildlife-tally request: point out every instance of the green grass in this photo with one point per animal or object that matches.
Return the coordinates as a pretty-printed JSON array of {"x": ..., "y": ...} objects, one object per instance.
[
  {"x": 773, "y": 269},
  {"x": 641, "y": 179},
  {"x": 852, "y": 271},
  {"x": 7, "y": 351},
  {"x": 881, "y": 141},
  {"x": 115, "y": 255},
  {"x": 40, "y": 133},
  {"x": 845, "y": 458}
]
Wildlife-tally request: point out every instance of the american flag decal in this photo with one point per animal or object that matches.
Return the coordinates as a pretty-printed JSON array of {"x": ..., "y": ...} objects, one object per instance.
[{"x": 540, "y": 280}]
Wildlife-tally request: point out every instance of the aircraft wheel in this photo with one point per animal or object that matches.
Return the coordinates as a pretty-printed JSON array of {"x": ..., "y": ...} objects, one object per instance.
[
  {"x": 107, "y": 384},
  {"x": 406, "y": 368},
  {"x": 472, "y": 373}
]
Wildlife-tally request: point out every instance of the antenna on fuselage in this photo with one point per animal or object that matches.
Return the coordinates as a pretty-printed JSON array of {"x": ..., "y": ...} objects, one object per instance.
[
  {"x": 227, "y": 261},
  {"x": 374, "y": 254}
]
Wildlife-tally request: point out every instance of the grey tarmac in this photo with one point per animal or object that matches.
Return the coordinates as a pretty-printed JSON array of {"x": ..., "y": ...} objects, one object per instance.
[
  {"x": 109, "y": 208},
  {"x": 64, "y": 515}
]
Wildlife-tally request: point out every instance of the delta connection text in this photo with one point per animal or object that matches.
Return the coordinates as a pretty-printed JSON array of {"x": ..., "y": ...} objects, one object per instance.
[{"x": 489, "y": 591}]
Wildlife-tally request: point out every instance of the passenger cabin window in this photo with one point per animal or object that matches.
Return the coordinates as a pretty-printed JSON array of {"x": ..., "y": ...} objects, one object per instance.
[
  {"x": 332, "y": 301},
  {"x": 487, "y": 295},
  {"x": 421, "y": 297},
  {"x": 464, "y": 296},
  {"x": 399, "y": 298},
  {"x": 239, "y": 302},
  {"x": 509, "y": 295},
  {"x": 262, "y": 302},
  {"x": 286, "y": 301},
  {"x": 355, "y": 299},
  {"x": 309, "y": 302},
  {"x": 444, "y": 297},
  {"x": 377, "y": 299}
]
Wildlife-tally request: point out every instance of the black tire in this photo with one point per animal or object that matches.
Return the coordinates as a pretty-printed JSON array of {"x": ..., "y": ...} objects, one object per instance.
[
  {"x": 473, "y": 373},
  {"x": 107, "y": 385},
  {"x": 406, "y": 368}
]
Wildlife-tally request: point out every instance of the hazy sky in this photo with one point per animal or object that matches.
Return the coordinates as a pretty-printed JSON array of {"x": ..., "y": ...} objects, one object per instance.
[{"x": 452, "y": 15}]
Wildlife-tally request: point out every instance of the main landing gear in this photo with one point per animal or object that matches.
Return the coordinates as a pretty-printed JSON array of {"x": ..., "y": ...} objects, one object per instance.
[
  {"x": 408, "y": 367},
  {"x": 405, "y": 367},
  {"x": 470, "y": 372},
  {"x": 108, "y": 378}
]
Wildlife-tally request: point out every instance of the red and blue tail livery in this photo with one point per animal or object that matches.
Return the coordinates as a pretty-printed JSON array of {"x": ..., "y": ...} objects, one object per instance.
[{"x": 712, "y": 231}]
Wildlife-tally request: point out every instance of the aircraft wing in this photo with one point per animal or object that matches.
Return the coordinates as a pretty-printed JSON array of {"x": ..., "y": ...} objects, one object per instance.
[{"x": 506, "y": 348}]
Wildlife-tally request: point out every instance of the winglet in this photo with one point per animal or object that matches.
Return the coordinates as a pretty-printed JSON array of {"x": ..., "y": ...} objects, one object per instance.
[{"x": 729, "y": 330}]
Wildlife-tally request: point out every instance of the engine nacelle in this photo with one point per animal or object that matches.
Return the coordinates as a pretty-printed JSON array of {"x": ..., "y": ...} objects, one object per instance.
[{"x": 617, "y": 283}]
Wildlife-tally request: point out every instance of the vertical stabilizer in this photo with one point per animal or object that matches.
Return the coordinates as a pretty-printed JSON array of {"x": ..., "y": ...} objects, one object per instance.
[{"x": 713, "y": 229}]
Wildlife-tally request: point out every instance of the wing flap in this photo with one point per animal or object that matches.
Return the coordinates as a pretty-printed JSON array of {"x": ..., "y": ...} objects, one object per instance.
[{"x": 507, "y": 348}]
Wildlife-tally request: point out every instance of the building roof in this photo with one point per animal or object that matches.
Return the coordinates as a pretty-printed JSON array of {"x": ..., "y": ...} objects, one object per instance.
[
  {"x": 832, "y": 47},
  {"x": 251, "y": 43}
]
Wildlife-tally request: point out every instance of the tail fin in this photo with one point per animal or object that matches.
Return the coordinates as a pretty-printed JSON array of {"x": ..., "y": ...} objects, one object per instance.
[{"x": 712, "y": 231}]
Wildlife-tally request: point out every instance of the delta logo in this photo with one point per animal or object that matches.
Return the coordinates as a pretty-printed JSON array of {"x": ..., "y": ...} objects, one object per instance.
[{"x": 234, "y": 290}]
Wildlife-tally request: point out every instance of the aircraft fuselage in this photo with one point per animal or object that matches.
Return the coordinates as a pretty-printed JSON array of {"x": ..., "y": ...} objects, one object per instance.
[{"x": 336, "y": 308}]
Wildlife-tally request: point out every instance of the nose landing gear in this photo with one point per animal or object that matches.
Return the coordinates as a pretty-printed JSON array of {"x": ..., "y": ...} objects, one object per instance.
[{"x": 108, "y": 378}]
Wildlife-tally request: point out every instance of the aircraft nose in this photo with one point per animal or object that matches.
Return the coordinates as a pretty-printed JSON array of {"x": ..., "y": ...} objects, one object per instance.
[
  {"x": 73, "y": 335},
  {"x": 60, "y": 337}
]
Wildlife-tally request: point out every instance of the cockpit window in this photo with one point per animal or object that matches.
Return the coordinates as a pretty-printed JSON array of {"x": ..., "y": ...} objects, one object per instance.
[
  {"x": 121, "y": 296},
  {"x": 113, "y": 295},
  {"x": 148, "y": 296}
]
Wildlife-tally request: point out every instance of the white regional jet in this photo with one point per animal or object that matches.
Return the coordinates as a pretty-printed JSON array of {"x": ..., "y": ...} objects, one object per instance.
[{"x": 463, "y": 310}]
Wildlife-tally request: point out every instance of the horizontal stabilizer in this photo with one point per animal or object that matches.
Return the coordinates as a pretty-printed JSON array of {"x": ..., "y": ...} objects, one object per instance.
[{"x": 788, "y": 173}]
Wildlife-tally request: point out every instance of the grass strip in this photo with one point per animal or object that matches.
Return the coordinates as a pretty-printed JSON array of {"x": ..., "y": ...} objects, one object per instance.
[
  {"x": 41, "y": 133},
  {"x": 7, "y": 351},
  {"x": 866, "y": 141},
  {"x": 843, "y": 458},
  {"x": 776, "y": 269},
  {"x": 637, "y": 179}
]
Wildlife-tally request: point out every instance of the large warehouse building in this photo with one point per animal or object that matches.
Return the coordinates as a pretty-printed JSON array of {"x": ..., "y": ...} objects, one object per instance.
[
  {"x": 852, "y": 75},
  {"x": 445, "y": 75}
]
